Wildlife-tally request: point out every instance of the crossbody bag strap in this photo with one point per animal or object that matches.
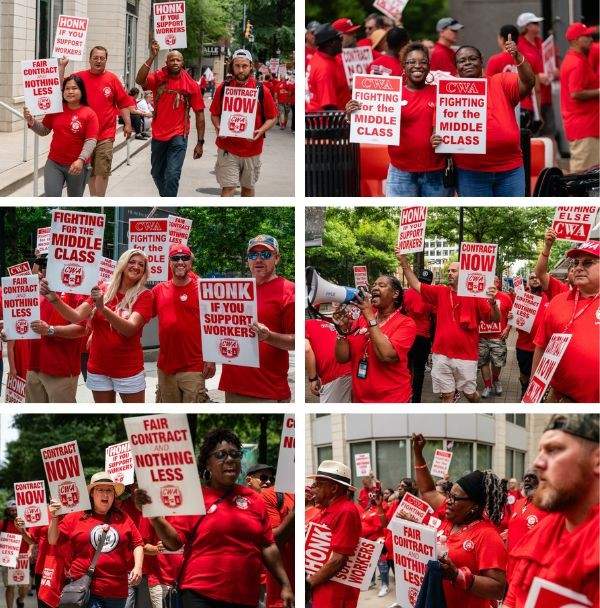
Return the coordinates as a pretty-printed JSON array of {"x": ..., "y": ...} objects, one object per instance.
[{"x": 90, "y": 570}]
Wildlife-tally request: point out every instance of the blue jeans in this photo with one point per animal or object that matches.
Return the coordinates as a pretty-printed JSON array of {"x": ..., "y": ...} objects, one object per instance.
[
  {"x": 487, "y": 183},
  {"x": 404, "y": 183},
  {"x": 384, "y": 572},
  {"x": 106, "y": 602},
  {"x": 167, "y": 161}
]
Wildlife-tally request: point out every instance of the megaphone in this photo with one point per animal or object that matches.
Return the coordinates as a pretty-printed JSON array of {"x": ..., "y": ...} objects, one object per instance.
[{"x": 320, "y": 291}]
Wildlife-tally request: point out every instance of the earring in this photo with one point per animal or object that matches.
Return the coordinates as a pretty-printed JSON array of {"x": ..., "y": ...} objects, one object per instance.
[
  {"x": 206, "y": 475},
  {"x": 429, "y": 80}
]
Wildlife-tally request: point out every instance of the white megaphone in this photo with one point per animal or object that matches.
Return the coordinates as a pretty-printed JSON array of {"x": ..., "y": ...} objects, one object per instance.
[{"x": 320, "y": 291}]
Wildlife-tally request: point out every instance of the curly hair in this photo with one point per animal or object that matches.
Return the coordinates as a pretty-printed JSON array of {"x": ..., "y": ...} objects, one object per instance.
[
  {"x": 211, "y": 440},
  {"x": 495, "y": 496},
  {"x": 396, "y": 286},
  {"x": 413, "y": 46}
]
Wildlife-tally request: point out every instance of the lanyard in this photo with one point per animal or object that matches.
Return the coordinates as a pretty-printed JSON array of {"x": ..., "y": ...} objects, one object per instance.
[
  {"x": 452, "y": 307},
  {"x": 576, "y": 314}
]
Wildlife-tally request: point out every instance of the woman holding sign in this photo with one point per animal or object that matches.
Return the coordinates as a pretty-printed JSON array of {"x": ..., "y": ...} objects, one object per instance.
[
  {"x": 226, "y": 548},
  {"x": 75, "y": 132},
  {"x": 474, "y": 563}
]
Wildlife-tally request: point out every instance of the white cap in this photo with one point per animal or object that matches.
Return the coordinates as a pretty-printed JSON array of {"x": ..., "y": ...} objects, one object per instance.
[
  {"x": 242, "y": 54},
  {"x": 334, "y": 471},
  {"x": 525, "y": 18}
]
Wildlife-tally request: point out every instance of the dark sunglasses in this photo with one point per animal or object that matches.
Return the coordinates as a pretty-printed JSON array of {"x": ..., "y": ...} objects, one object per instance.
[
  {"x": 454, "y": 498},
  {"x": 223, "y": 454},
  {"x": 264, "y": 478},
  {"x": 180, "y": 258},
  {"x": 263, "y": 255}
]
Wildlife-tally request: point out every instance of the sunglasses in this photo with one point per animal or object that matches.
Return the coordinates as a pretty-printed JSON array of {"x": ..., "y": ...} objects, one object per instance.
[
  {"x": 583, "y": 263},
  {"x": 180, "y": 258},
  {"x": 222, "y": 454},
  {"x": 264, "y": 478},
  {"x": 263, "y": 255},
  {"x": 452, "y": 498}
]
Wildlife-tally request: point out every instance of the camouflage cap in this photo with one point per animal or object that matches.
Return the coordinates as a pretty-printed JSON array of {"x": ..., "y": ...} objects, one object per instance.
[{"x": 580, "y": 425}]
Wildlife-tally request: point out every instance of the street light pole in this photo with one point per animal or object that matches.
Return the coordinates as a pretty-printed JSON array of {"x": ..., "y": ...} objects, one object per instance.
[
  {"x": 461, "y": 228},
  {"x": 244, "y": 28}
]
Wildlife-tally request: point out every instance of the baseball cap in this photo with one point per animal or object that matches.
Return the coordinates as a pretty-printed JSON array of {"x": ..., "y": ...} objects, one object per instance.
[
  {"x": 580, "y": 425},
  {"x": 345, "y": 26},
  {"x": 242, "y": 54},
  {"x": 524, "y": 18},
  {"x": 179, "y": 248},
  {"x": 589, "y": 247},
  {"x": 264, "y": 239},
  {"x": 258, "y": 467},
  {"x": 11, "y": 504},
  {"x": 426, "y": 276},
  {"x": 575, "y": 30},
  {"x": 445, "y": 22},
  {"x": 324, "y": 33},
  {"x": 312, "y": 26}
]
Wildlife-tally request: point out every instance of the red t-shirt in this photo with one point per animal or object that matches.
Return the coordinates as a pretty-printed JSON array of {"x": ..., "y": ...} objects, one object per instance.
[
  {"x": 8, "y": 526},
  {"x": 458, "y": 318},
  {"x": 581, "y": 118},
  {"x": 322, "y": 337},
  {"x": 533, "y": 55},
  {"x": 525, "y": 339},
  {"x": 415, "y": 152},
  {"x": 116, "y": 558},
  {"x": 577, "y": 373},
  {"x": 275, "y": 310},
  {"x": 568, "y": 559},
  {"x": 343, "y": 519},
  {"x": 442, "y": 58},
  {"x": 419, "y": 311},
  {"x": 171, "y": 112},
  {"x": 492, "y": 331},
  {"x": 594, "y": 56},
  {"x": 504, "y": 62},
  {"x": 71, "y": 128},
  {"x": 53, "y": 355},
  {"x": 237, "y": 145},
  {"x": 525, "y": 516},
  {"x": 113, "y": 354},
  {"x": 178, "y": 314},
  {"x": 286, "y": 93},
  {"x": 327, "y": 85},
  {"x": 105, "y": 95},
  {"x": 503, "y": 140},
  {"x": 386, "y": 64},
  {"x": 385, "y": 382},
  {"x": 555, "y": 287},
  {"x": 370, "y": 520},
  {"x": 40, "y": 537},
  {"x": 363, "y": 497},
  {"x": 224, "y": 561}
]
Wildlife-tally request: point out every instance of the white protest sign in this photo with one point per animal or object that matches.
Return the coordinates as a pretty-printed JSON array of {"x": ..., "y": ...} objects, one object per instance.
[
  {"x": 519, "y": 285},
  {"x": 524, "y": 309},
  {"x": 411, "y": 232},
  {"x": 41, "y": 86},
  {"x": 282, "y": 72},
  {"x": 239, "y": 112},
  {"x": 361, "y": 276},
  {"x": 43, "y": 240},
  {"x": 378, "y": 120},
  {"x": 152, "y": 237},
  {"x": 165, "y": 465},
  {"x": 20, "y": 574},
  {"x": 284, "y": 477},
  {"x": 20, "y": 306},
  {"x": 414, "y": 546},
  {"x": 273, "y": 65},
  {"x": 360, "y": 566},
  {"x": 410, "y": 508},
  {"x": 477, "y": 269},
  {"x": 441, "y": 463},
  {"x": 574, "y": 223},
  {"x": 70, "y": 37},
  {"x": 228, "y": 308},
  {"x": 17, "y": 269},
  {"x": 30, "y": 497},
  {"x": 15, "y": 389},
  {"x": 179, "y": 229},
  {"x": 9, "y": 549},
  {"x": 118, "y": 462},
  {"x": 549, "y": 56},
  {"x": 363, "y": 464},
  {"x": 356, "y": 60},
  {"x": 461, "y": 115},
  {"x": 169, "y": 24},
  {"x": 546, "y": 594},
  {"x": 64, "y": 473},
  {"x": 546, "y": 367},
  {"x": 75, "y": 251},
  {"x": 106, "y": 270},
  {"x": 392, "y": 8}
]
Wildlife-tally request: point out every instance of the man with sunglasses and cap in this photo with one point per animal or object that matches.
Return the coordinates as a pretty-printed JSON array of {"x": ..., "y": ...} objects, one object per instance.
[
  {"x": 275, "y": 328},
  {"x": 260, "y": 476},
  {"x": 341, "y": 516},
  {"x": 442, "y": 55},
  {"x": 563, "y": 550},
  {"x": 576, "y": 312},
  {"x": 182, "y": 372},
  {"x": 525, "y": 514}
]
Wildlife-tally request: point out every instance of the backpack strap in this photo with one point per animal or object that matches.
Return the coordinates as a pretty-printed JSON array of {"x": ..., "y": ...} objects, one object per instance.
[{"x": 280, "y": 498}]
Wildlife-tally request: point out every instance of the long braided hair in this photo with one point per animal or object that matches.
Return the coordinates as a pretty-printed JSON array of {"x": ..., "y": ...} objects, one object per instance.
[{"x": 495, "y": 496}]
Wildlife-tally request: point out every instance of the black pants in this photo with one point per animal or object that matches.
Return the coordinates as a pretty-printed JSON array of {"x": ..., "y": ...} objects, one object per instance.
[
  {"x": 190, "y": 599},
  {"x": 417, "y": 358}
]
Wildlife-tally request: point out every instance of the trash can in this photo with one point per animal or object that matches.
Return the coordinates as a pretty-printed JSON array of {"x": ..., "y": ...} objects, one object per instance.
[{"x": 332, "y": 165}]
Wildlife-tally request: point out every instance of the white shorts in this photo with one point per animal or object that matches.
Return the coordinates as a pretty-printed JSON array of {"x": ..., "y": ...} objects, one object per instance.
[
  {"x": 123, "y": 386},
  {"x": 448, "y": 374},
  {"x": 337, "y": 391}
]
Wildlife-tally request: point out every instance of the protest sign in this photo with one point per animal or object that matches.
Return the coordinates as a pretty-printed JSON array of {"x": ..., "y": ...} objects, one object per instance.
[
  {"x": 42, "y": 240},
  {"x": 546, "y": 367},
  {"x": 549, "y": 56},
  {"x": 118, "y": 462},
  {"x": 284, "y": 477},
  {"x": 20, "y": 574},
  {"x": 169, "y": 24},
  {"x": 239, "y": 112},
  {"x": 461, "y": 115},
  {"x": 273, "y": 65},
  {"x": 392, "y": 8},
  {"x": 75, "y": 251},
  {"x": 17, "y": 269},
  {"x": 179, "y": 229},
  {"x": 69, "y": 41},
  {"x": 9, "y": 549},
  {"x": 317, "y": 547},
  {"x": 441, "y": 463},
  {"x": 414, "y": 546},
  {"x": 524, "y": 309},
  {"x": 410, "y": 508},
  {"x": 363, "y": 464},
  {"x": 519, "y": 285},
  {"x": 30, "y": 497},
  {"x": 228, "y": 309},
  {"x": 41, "y": 86},
  {"x": 106, "y": 269},
  {"x": 282, "y": 72},
  {"x": 477, "y": 269},
  {"x": 546, "y": 594},
  {"x": 378, "y": 120},
  {"x": 15, "y": 389},
  {"x": 573, "y": 223},
  {"x": 361, "y": 276},
  {"x": 411, "y": 233},
  {"x": 152, "y": 237},
  {"x": 20, "y": 306},
  {"x": 356, "y": 60},
  {"x": 165, "y": 465},
  {"x": 64, "y": 473}
]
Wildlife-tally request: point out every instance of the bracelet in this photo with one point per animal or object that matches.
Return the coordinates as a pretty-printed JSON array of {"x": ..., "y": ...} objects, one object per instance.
[
  {"x": 522, "y": 62},
  {"x": 148, "y": 66},
  {"x": 420, "y": 466},
  {"x": 313, "y": 379},
  {"x": 546, "y": 255}
]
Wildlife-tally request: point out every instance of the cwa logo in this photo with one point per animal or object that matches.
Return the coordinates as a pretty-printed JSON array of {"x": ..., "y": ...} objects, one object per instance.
[
  {"x": 110, "y": 542},
  {"x": 171, "y": 496},
  {"x": 475, "y": 282},
  {"x": 68, "y": 494},
  {"x": 32, "y": 515},
  {"x": 72, "y": 275},
  {"x": 170, "y": 40},
  {"x": 43, "y": 103},
  {"x": 22, "y": 326},
  {"x": 237, "y": 123},
  {"x": 229, "y": 348}
]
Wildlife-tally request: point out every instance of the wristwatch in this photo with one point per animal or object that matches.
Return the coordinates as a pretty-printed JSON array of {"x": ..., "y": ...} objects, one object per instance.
[
  {"x": 373, "y": 323},
  {"x": 201, "y": 141},
  {"x": 51, "y": 330}
]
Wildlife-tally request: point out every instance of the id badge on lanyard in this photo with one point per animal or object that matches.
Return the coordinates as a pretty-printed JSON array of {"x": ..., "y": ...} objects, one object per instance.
[{"x": 363, "y": 366}]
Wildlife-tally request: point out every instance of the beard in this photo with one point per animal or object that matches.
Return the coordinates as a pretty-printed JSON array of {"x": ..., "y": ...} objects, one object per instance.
[{"x": 553, "y": 499}]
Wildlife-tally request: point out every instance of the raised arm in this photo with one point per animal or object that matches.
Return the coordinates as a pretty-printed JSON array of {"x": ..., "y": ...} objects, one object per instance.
[
  {"x": 410, "y": 276},
  {"x": 142, "y": 74},
  {"x": 525, "y": 71},
  {"x": 541, "y": 267},
  {"x": 423, "y": 477}
]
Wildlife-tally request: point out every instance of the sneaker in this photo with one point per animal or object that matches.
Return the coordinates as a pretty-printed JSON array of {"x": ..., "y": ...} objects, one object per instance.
[
  {"x": 383, "y": 591},
  {"x": 486, "y": 392},
  {"x": 20, "y": 603},
  {"x": 497, "y": 388},
  {"x": 456, "y": 397}
]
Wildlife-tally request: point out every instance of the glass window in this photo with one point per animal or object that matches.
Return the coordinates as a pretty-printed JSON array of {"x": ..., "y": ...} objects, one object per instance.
[
  {"x": 430, "y": 448},
  {"x": 364, "y": 447},
  {"x": 519, "y": 465},
  {"x": 462, "y": 459},
  {"x": 518, "y": 419},
  {"x": 47, "y": 19},
  {"x": 391, "y": 462},
  {"x": 484, "y": 456},
  {"x": 509, "y": 463},
  {"x": 324, "y": 452},
  {"x": 129, "y": 69},
  {"x": 321, "y": 415}
]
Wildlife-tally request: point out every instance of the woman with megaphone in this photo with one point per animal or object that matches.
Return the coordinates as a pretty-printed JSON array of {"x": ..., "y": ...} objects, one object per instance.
[{"x": 378, "y": 345}]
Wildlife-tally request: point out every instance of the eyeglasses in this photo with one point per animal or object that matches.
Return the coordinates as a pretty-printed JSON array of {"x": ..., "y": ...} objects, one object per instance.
[
  {"x": 585, "y": 263},
  {"x": 452, "y": 498},
  {"x": 180, "y": 258},
  {"x": 222, "y": 454},
  {"x": 264, "y": 478},
  {"x": 263, "y": 255}
]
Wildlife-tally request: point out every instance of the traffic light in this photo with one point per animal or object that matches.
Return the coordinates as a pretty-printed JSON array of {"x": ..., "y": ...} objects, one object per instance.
[{"x": 249, "y": 31}]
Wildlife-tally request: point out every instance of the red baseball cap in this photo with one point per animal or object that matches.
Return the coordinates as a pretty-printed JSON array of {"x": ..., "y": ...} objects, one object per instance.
[
  {"x": 588, "y": 247},
  {"x": 345, "y": 26},
  {"x": 179, "y": 249},
  {"x": 575, "y": 30}
]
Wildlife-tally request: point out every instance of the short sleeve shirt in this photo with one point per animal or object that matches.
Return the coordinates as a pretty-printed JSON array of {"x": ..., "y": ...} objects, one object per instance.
[
  {"x": 322, "y": 337},
  {"x": 70, "y": 130},
  {"x": 327, "y": 86}
]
